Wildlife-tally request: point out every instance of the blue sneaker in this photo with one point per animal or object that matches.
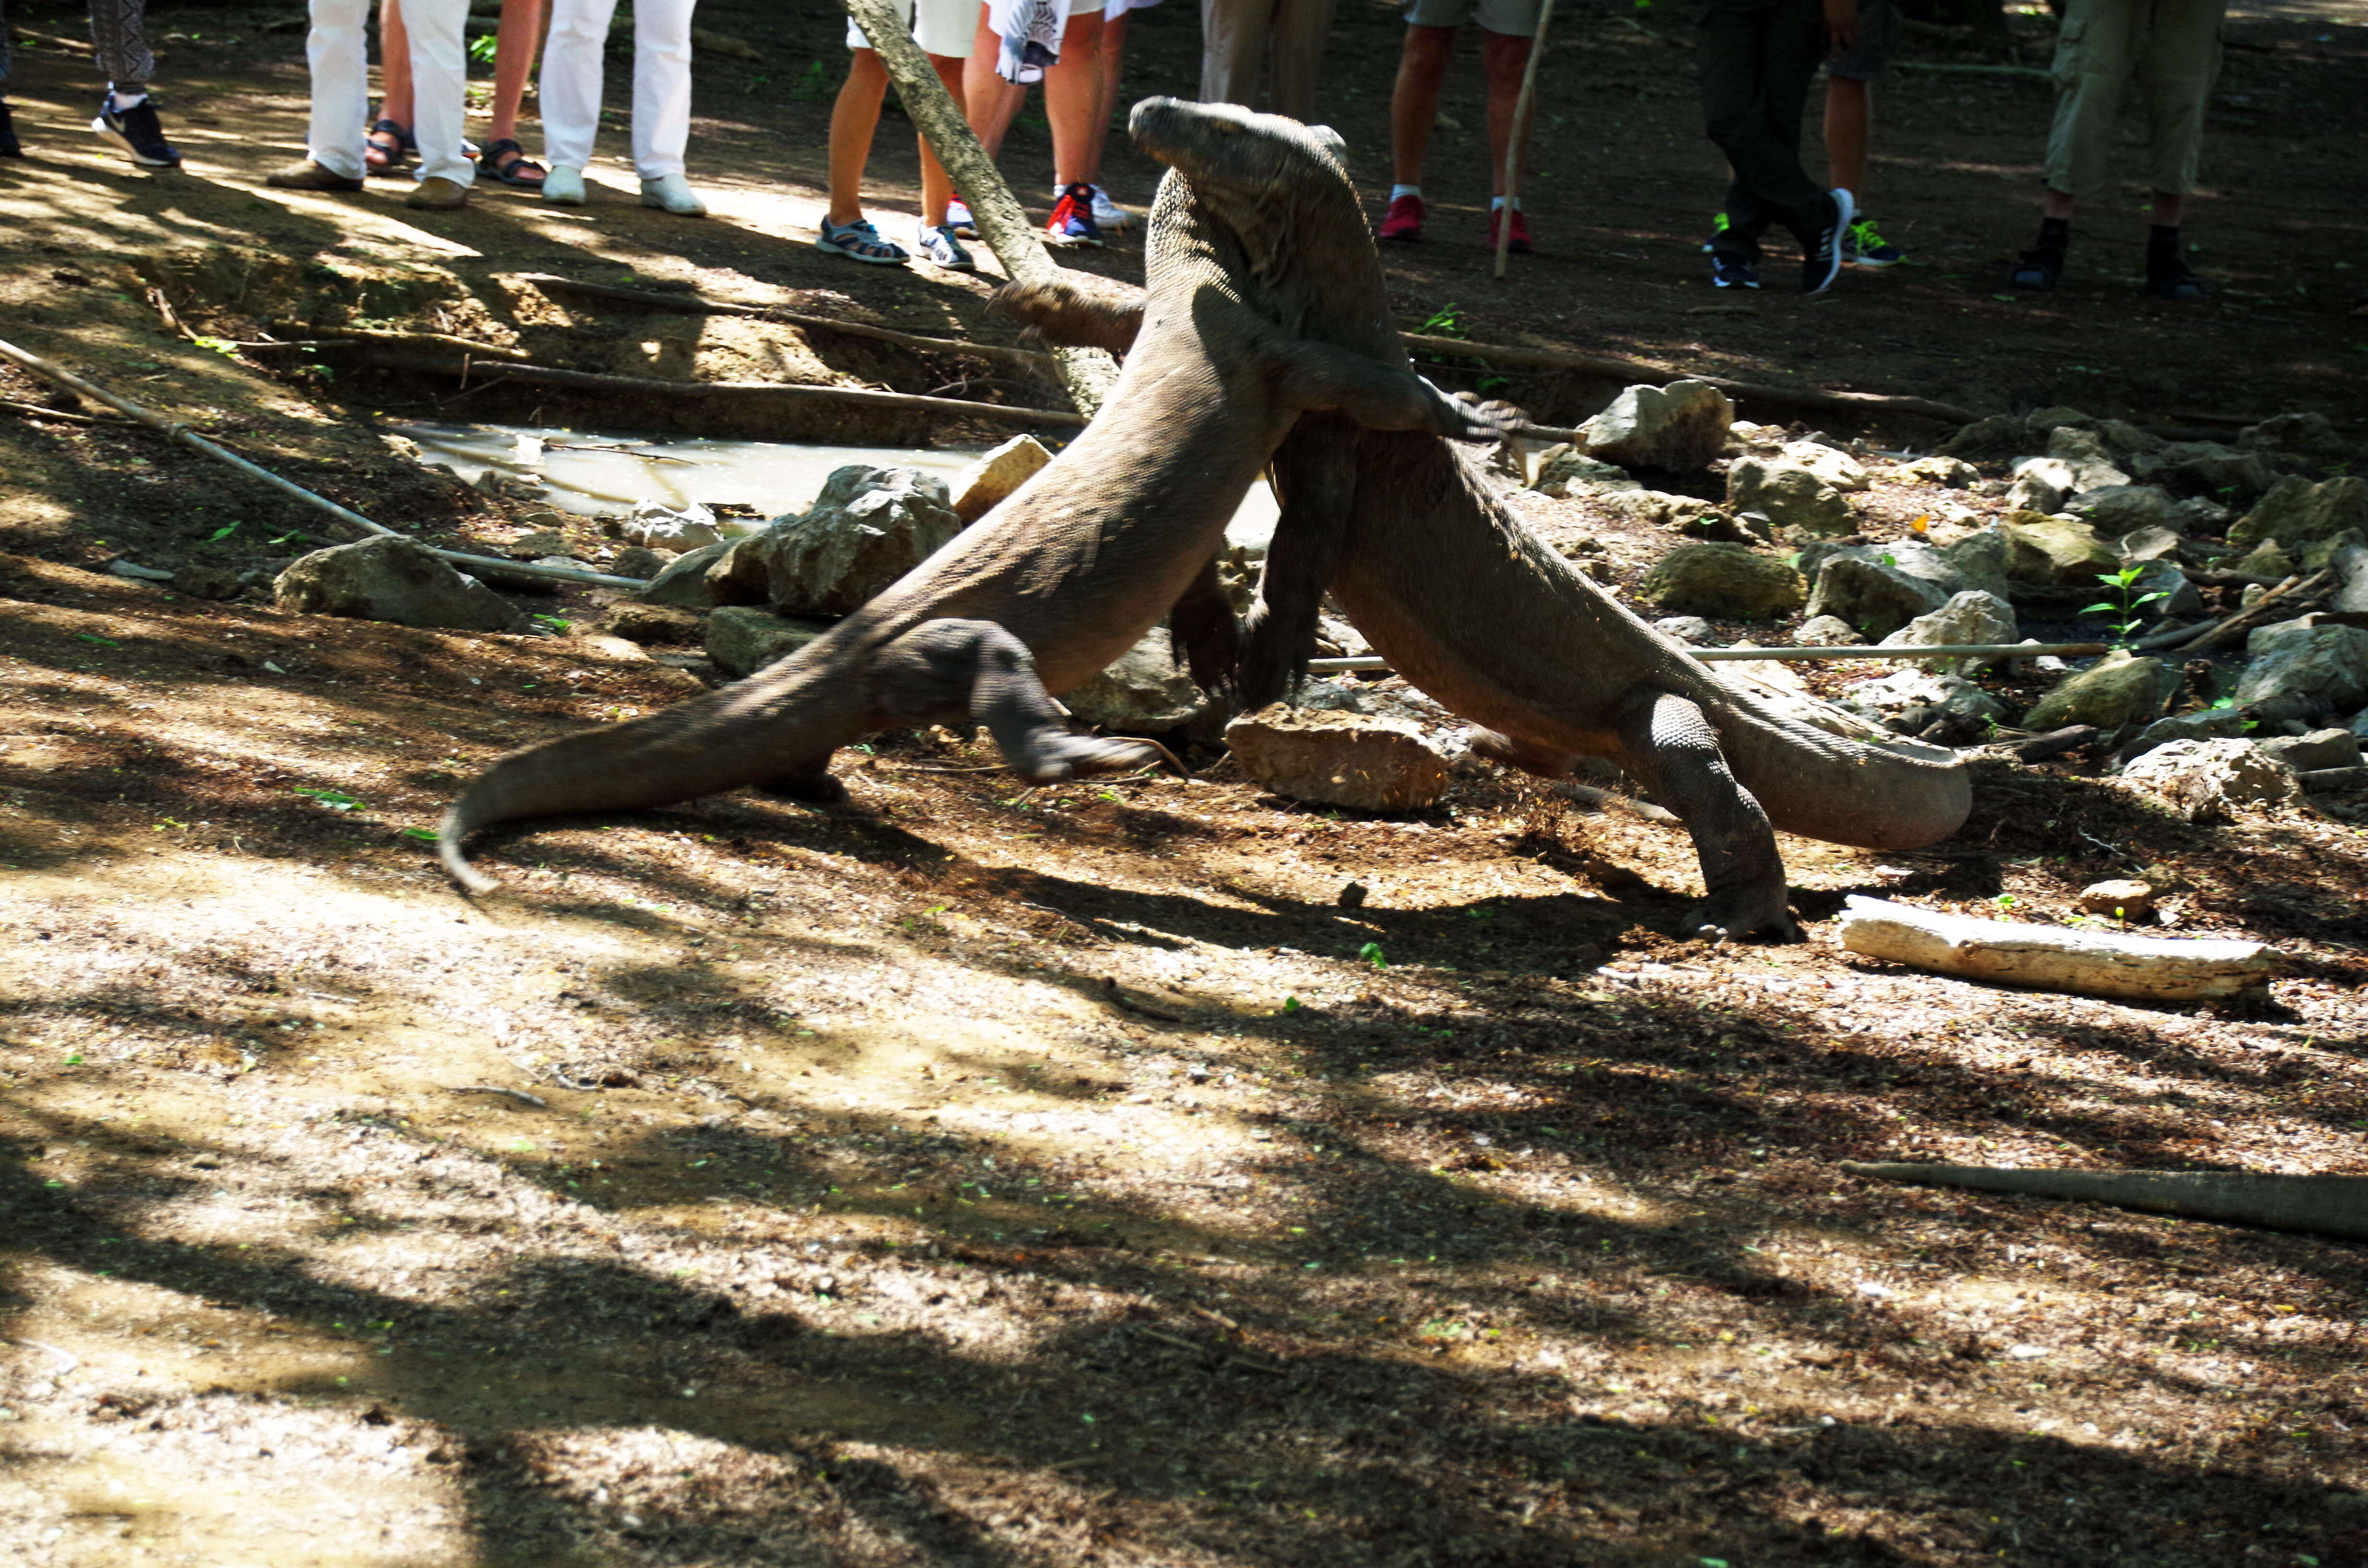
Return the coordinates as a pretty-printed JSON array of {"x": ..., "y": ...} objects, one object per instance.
[
  {"x": 1072, "y": 222},
  {"x": 136, "y": 134},
  {"x": 1726, "y": 274},
  {"x": 859, "y": 240},
  {"x": 938, "y": 247},
  {"x": 1863, "y": 247}
]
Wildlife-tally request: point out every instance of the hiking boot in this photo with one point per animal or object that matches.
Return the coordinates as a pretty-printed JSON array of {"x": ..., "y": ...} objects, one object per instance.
[
  {"x": 1731, "y": 272},
  {"x": 306, "y": 174},
  {"x": 1109, "y": 214},
  {"x": 1718, "y": 225},
  {"x": 1520, "y": 243},
  {"x": 959, "y": 220},
  {"x": 1072, "y": 222},
  {"x": 1863, "y": 247},
  {"x": 1401, "y": 225},
  {"x": 859, "y": 240},
  {"x": 938, "y": 247},
  {"x": 136, "y": 134},
  {"x": 437, "y": 194},
  {"x": 1821, "y": 259},
  {"x": 2169, "y": 278}
]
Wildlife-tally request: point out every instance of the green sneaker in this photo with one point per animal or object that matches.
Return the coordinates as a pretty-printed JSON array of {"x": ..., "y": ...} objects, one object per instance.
[
  {"x": 1866, "y": 248},
  {"x": 1718, "y": 225}
]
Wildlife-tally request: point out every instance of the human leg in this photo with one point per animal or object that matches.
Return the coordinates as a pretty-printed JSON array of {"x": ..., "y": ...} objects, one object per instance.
[
  {"x": 1234, "y": 39},
  {"x": 439, "y": 65},
  {"x": 127, "y": 118},
  {"x": 1300, "y": 29},
  {"x": 1754, "y": 61},
  {"x": 338, "y": 54},
  {"x": 2176, "y": 69},
  {"x": 1847, "y": 113},
  {"x": 854, "y": 116},
  {"x": 1073, "y": 95},
  {"x": 990, "y": 103},
  {"x": 516, "y": 44},
  {"x": 937, "y": 187},
  {"x": 661, "y": 86}
]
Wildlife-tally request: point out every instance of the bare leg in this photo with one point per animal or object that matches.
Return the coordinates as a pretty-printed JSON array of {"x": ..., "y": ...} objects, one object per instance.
[
  {"x": 1073, "y": 100},
  {"x": 515, "y": 48},
  {"x": 1414, "y": 98},
  {"x": 1113, "y": 70},
  {"x": 393, "y": 64},
  {"x": 853, "y": 118},
  {"x": 1503, "y": 58},
  {"x": 936, "y": 189},
  {"x": 990, "y": 103},
  {"x": 1674, "y": 752},
  {"x": 1848, "y": 120},
  {"x": 2169, "y": 208}
]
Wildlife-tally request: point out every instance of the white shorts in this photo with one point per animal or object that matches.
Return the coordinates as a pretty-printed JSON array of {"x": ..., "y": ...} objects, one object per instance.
[{"x": 946, "y": 27}]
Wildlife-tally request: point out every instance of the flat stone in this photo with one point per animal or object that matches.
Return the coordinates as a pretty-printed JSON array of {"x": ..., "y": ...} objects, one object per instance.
[
  {"x": 1144, "y": 693},
  {"x": 639, "y": 561},
  {"x": 1360, "y": 761},
  {"x": 1875, "y": 597},
  {"x": 682, "y": 581},
  {"x": 397, "y": 580},
  {"x": 1566, "y": 470},
  {"x": 1725, "y": 580},
  {"x": 2120, "y": 900},
  {"x": 1680, "y": 426},
  {"x": 2207, "y": 724},
  {"x": 2310, "y": 665},
  {"x": 1690, "y": 629},
  {"x": 1788, "y": 495},
  {"x": 2204, "y": 778},
  {"x": 660, "y": 526},
  {"x": 2054, "y": 552},
  {"x": 2209, "y": 469},
  {"x": 2120, "y": 509},
  {"x": 2155, "y": 543},
  {"x": 1825, "y": 632},
  {"x": 2319, "y": 748},
  {"x": 1953, "y": 473},
  {"x": 982, "y": 486},
  {"x": 743, "y": 640},
  {"x": 2090, "y": 460},
  {"x": 2118, "y": 689},
  {"x": 1908, "y": 700},
  {"x": 1830, "y": 464},
  {"x": 639, "y": 622},
  {"x": 2308, "y": 433}
]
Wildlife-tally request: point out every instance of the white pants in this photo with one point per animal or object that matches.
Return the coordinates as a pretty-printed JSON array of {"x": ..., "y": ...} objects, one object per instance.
[
  {"x": 570, "y": 83},
  {"x": 338, "y": 52}
]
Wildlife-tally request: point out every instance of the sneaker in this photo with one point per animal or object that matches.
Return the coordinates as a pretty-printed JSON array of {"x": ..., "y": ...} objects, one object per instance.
[
  {"x": 1821, "y": 261},
  {"x": 1520, "y": 243},
  {"x": 1865, "y": 246},
  {"x": 959, "y": 220},
  {"x": 859, "y": 240},
  {"x": 2038, "y": 269},
  {"x": 437, "y": 194},
  {"x": 672, "y": 193},
  {"x": 939, "y": 248},
  {"x": 1401, "y": 225},
  {"x": 1726, "y": 272},
  {"x": 135, "y": 133},
  {"x": 1718, "y": 225},
  {"x": 1109, "y": 214},
  {"x": 2169, "y": 278},
  {"x": 1072, "y": 222},
  {"x": 10, "y": 146},
  {"x": 306, "y": 174}
]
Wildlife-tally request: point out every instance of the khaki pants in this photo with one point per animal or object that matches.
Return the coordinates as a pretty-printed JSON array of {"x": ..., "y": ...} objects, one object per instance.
[
  {"x": 1239, "y": 37},
  {"x": 2171, "y": 49}
]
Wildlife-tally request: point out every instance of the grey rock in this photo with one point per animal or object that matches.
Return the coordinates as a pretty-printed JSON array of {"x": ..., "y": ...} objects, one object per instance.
[
  {"x": 2118, "y": 689},
  {"x": 2054, "y": 552},
  {"x": 743, "y": 640},
  {"x": 399, "y": 580},
  {"x": 1143, "y": 694},
  {"x": 1878, "y": 588},
  {"x": 661, "y": 527},
  {"x": 1362, "y": 761},
  {"x": 1330, "y": 696},
  {"x": 2122, "y": 508},
  {"x": 1953, "y": 473},
  {"x": 2198, "y": 514},
  {"x": 869, "y": 527},
  {"x": 1788, "y": 495},
  {"x": 2311, "y": 665},
  {"x": 2350, "y": 560},
  {"x": 683, "y": 581},
  {"x": 2090, "y": 460},
  {"x": 2205, "y": 778},
  {"x": 2044, "y": 421},
  {"x": 1565, "y": 470},
  {"x": 1690, "y": 629},
  {"x": 1825, "y": 632},
  {"x": 2319, "y": 748},
  {"x": 2297, "y": 512},
  {"x": 2321, "y": 553},
  {"x": 1725, "y": 580},
  {"x": 2180, "y": 596},
  {"x": 2041, "y": 485},
  {"x": 644, "y": 623},
  {"x": 2308, "y": 433},
  {"x": 1909, "y": 700},
  {"x": 2155, "y": 543},
  {"x": 1830, "y": 464},
  {"x": 2207, "y": 724},
  {"x": 137, "y": 572},
  {"x": 1972, "y": 616},
  {"x": 1978, "y": 561},
  {"x": 2267, "y": 559},
  {"x": 1995, "y": 437},
  {"x": 539, "y": 544},
  {"x": 2359, "y": 725},
  {"x": 1351, "y": 642},
  {"x": 2207, "y": 469},
  {"x": 1680, "y": 426},
  {"x": 207, "y": 582},
  {"x": 639, "y": 561}
]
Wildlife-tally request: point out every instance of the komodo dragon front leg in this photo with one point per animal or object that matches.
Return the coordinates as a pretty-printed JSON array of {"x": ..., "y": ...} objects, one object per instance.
[
  {"x": 1673, "y": 751},
  {"x": 978, "y": 670}
]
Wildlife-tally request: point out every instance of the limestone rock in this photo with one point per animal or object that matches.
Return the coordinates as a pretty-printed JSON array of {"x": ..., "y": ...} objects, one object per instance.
[
  {"x": 1955, "y": 473},
  {"x": 683, "y": 583},
  {"x": 1826, "y": 631},
  {"x": 2090, "y": 460},
  {"x": 1690, "y": 629},
  {"x": 869, "y": 527},
  {"x": 2157, "y": 543},
  {"x": 606, "y": 646},
  {"x": 661, "y": 527},
  {"x": 2041, "y": 485},
  {"x": 2122, "y": 508},
  {"x": 2308, "y": 433},
  {"x": 1969, "y": 616},
  {"x": 538, "y": 544},
  {"x": 1788, "y": 495},
  {"x": 2320, "y": 554},
  {"x": 2207, "y": 724},
  {"x": 1143, "y": 694},
  {"x": 1725, "y": 580},
  {"x": 2180, "y": 596},
  {"x": 2350, "y": 560},
  {"x": 2322, "y": 665},
  {"x": 2203, "y": 779},
  {"x": 1830, "y": 464},
  {"x": 2196, "y": 514},
  {"x": 1340, "y": 695},
  {"x": 1876, "y": 598},
  {"x": 638, "y": 622},
  {"x": 1910, "y": 699},
  {"x": 2122, "y": 900},
  {"x": 2319, "y": 748},
  {"x": 2265, "y": 559},
  {"x": 982, "y": 486},
  {"x": 743, "y": 640},
  {"x": 2297, "y": 512},
  {"x": 1995, "y": 437},
  {"x": 1680, "y": 426},
  {"x": 392, "y": 579},
  {"x": 2117, "y": 689},
  {"x": 1363, "y": 762},
  {"x": 1566, "y": 470},
  {"x": 1659, "y": 510},
  {"x": 2054, "y": 551},
  {"x": 203, "y": 582},
  {"x": 1978, "y": 561},
  {"x": 2209, "y": 469},
  {"x": 639, "y": 561}
]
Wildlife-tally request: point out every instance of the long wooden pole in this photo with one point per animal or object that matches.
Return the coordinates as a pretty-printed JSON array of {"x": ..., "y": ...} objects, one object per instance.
[
  {"x": 1089, "y": 373},
  {"x": 1714, "y": 655},
  {"x": 1521, "y": 106}
]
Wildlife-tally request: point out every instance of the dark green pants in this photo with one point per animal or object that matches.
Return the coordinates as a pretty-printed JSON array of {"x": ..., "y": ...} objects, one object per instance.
[{"x": 1758, "y": 58}]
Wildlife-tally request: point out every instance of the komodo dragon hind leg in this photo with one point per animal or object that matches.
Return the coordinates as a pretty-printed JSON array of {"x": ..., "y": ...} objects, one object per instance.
[
  {"x": 1205, "y": 634},
  {"x": 948, "y": 668},
  {"x": 810, "y": 782},
  {"x": 1315, "y": 481},
  {"x": 1674, "y": 752}
]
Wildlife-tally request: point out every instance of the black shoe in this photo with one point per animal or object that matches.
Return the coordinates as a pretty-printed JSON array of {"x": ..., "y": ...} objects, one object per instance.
[
  {"x": 1821, "y": 263},
  {"x": 1727, "y": 272},
  {"x": 2038, "y": 269},
  {"x": 10, "y": 146},
  {"x": 2169, "y": 278},
  {"x": 135, "y": 133}
]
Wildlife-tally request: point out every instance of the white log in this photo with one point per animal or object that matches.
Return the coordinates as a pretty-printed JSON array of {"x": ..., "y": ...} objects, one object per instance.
[{"x": 2094, "y": 963}]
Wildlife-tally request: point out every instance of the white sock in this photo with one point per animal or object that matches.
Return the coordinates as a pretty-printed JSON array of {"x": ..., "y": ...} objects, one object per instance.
[
  {"x": 122, "y": 100},
  {"x": 1399, "y": 190},
  {"x": 1497, "y": 204}
]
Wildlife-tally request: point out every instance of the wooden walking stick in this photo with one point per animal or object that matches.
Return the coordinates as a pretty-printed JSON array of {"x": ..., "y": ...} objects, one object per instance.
[{"x": 1521, "y": 106}]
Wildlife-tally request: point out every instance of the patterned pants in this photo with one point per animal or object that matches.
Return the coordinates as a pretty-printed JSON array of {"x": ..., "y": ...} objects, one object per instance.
[{"x": 123, "y": 58}]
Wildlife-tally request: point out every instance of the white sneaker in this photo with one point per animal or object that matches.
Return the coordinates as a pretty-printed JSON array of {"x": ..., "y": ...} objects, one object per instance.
[
  {"x": 672, "y": 193},
  {"x": 563, "y": 186},
  {"x": 1109, "y": 214},
  {"x": 939, "y": 247},
  {"x": 959, "y": 220}
]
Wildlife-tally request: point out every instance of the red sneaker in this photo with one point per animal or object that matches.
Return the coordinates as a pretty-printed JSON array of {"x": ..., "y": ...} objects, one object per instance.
[
  {"x": 1402, "y": 222},
  {"x": 1520, "y": 243}
]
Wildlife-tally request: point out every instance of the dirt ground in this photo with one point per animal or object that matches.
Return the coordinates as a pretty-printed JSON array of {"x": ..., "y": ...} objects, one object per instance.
[{"x": 969, "y": 1175}]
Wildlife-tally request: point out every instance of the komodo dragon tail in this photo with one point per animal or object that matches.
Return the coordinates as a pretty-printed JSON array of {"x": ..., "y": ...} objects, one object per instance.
[
  {"x": 1892, "y": 795},
  {"x": 777, "y": 728},
  {"x": 2322, "y": 1205}
]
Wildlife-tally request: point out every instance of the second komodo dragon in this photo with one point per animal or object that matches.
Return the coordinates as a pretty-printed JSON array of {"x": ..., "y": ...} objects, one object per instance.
[
  {"x": 1440, "y": 576},
  {"x": 1069, "y": 573}
]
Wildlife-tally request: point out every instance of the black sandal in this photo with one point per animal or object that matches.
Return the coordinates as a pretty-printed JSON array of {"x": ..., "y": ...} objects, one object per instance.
[
  {"x": 513, "y": 173},
  {"x": 386, "y": 157}
]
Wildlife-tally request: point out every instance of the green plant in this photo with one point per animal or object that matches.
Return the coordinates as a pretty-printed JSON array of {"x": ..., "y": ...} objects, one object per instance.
[
  {"x": 1371, "y": 953},
  {"x": 2124, "y": 585},
  {"x": 335, "y": 799},
  {"x": 481, "y": 49},
  {"x": 1445, "y": 322}
]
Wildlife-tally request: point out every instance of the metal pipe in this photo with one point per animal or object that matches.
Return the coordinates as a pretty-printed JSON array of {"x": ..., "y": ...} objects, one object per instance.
[{"x": 1955, "y": 651}]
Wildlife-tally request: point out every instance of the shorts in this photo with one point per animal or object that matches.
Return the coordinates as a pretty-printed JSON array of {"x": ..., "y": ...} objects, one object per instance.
[
  {"x": 1878, "y": 35},
  {"x": 1514, "y": 18},
  {"x": 946, "y": 27}
]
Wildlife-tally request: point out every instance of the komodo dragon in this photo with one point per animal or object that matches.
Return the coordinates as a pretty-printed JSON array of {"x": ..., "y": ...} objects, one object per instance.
[
  {"x": 1443, "y": 579},
  {"x": 1069, "y": 571}
]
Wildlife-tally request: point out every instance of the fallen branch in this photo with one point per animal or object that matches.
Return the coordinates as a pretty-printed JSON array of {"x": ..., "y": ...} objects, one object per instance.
[
  {"x": 2287, "y": 596},
  {"x": 1517, "y": 357},
  {"x": 1812, "y": 655},
  {"x": 2054, "y": 742},
  {"x": 2321, "y": 1205},
  {"x": 2095, "y": 963},
  {"x": 42, "y": 410},
  {"x": 699, "y": 304},
  {"x": 328, "y": 335}
]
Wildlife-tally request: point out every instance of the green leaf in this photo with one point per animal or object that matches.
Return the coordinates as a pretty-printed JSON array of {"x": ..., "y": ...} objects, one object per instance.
[
  {"x": 2100, "y": 609},
  {"x": 102, "y": 642},
  {"x": 427, "y": 832},
  {"x": 1290, "y": 1004},
  {"x": 1371, "y": 953},
  {"x": 335, "y": 799},
  {"x": 221, "y": 534}
]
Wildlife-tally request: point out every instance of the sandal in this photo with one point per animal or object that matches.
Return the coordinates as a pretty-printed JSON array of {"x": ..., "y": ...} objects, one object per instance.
[
  {"x": 859, "y": 240},
  {"x": 389, "y": 156},
  {"x": 507, "y": 161}
]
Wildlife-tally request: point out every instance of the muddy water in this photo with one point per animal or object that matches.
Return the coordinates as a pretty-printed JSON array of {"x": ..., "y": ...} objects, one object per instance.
[{"x": 609, "y": 475}]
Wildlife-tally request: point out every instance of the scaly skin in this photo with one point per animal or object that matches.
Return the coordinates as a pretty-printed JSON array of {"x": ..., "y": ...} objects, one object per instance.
[{"x": 1069, "y": 571}]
